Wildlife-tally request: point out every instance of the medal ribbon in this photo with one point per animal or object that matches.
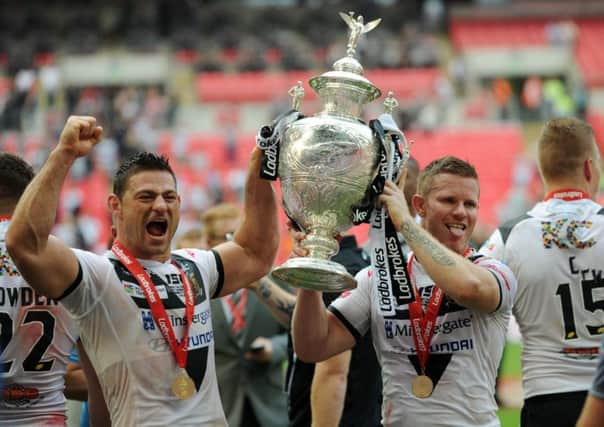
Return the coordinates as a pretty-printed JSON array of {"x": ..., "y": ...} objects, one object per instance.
[
  {"x": 158, "y": 311},
  {"x": 567, "y": 194},
  {"x": 423, "y": 325}
]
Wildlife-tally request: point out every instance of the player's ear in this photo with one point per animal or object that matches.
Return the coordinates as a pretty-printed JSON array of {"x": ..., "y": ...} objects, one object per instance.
[
  {"x": 113, "y": 203},
  {"x": 419, "y": 204}
]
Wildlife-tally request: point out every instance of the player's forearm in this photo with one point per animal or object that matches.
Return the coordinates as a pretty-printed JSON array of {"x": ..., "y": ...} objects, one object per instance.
[
  {"x": 328, "y": 390},
  {"x": 35, "y": 213},
  {"x": 280, "y": 302},
  {"x": 327, "y": 403},
  {"x": 310, "y": 328},
  {"x": 468, "y": 284},
  {"x": 259, "y": 232}
]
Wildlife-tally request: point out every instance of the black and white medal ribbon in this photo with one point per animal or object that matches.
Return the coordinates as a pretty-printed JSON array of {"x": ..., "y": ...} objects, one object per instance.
[{"x": 388, "y": 262}]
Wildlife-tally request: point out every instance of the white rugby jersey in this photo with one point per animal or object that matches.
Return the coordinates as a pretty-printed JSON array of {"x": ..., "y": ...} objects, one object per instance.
[
  {"x": 557, "y": 254},
  {"x": 134, "y": 363},
  {"x": 36, "y": 338},
  {"x": 464, "y": 353}
]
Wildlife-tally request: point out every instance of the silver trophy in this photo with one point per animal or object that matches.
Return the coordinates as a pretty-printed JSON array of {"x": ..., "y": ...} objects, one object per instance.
[{"x": 326, "y": 164}]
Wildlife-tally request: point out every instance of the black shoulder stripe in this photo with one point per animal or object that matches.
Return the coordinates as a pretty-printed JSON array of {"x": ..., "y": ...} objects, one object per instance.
[
  {"x": 507, "y": 227},
  {"x": 500, "y": 291},
  {"x": 601, "y": 211},
  {"x": 74, "y": 285},
  {"x": 353, "y": 331},
  {"x": 220, "y": 269}
]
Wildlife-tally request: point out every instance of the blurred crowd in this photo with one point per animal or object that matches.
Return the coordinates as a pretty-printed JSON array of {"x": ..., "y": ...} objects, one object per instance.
[{"x": 224, "y": 36}]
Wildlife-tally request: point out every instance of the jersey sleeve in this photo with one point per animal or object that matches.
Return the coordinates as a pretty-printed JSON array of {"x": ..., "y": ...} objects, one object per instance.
[
  {"x": 494, "y": 246},
  {"x": 96, "y": 274},
  {"x": 353, "y": 308},
  {"x": 505, "y": 280}
]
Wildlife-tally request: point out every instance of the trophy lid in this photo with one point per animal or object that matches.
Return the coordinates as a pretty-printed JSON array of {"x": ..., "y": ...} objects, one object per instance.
[{"x": 347, "y": 71}]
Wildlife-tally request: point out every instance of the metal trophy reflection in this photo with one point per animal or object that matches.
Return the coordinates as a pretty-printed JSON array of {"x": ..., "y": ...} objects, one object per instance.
[{"x": 326, "y": 164}]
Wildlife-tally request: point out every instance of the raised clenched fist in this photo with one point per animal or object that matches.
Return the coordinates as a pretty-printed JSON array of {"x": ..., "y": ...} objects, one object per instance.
[{"x": 80, "y": 135}]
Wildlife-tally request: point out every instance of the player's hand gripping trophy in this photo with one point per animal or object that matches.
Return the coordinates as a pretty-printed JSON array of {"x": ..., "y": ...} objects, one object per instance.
[{"x": 332, "y": 165}]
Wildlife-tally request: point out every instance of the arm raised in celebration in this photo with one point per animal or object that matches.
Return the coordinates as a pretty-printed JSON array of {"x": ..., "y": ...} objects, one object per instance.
[
  {"x": 251, "y": 253},
  {"x": 47, "y": 264}
]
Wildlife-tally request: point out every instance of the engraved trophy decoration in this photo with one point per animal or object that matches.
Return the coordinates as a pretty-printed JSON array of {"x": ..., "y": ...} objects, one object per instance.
[{"x": 326, "y": 164}]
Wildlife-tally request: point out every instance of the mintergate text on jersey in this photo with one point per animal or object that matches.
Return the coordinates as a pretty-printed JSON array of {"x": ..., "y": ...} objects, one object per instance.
[
  {"x": 201, "y": 317},
  {"x": 394, "y": 328}
]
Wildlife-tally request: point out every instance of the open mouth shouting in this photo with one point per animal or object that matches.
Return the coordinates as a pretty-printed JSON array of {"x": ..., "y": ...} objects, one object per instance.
[{"x": 157, "y": 227}]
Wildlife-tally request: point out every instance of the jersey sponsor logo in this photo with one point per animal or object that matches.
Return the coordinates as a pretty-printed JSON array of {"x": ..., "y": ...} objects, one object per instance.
[
  {"x": 565, "y": 233},
  {"x": 147, "y": 318},
  {"x": 394, "y": 329},
  {"x": 16, "y": 395},
  {"x": 135, "y": 291},
  {"x": 23, "y": 296},
  {"x": 451, "y": 346},
  {"x": 583, "y": 353},
  {"x": 203, "y": 339},
  {"x": 568, "y": 195},
  {"x": 177, "y": 321},
  {"x": 7, "y": 267}
]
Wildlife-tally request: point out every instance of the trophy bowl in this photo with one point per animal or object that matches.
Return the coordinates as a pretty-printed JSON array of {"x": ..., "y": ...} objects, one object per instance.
[{"x": 326, "y": 164}]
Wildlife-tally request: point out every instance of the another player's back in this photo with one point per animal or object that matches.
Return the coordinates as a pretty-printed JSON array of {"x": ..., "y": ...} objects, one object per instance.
[
  {"x": 557, "y": 253},
  {"x": 36, "y": 338}
]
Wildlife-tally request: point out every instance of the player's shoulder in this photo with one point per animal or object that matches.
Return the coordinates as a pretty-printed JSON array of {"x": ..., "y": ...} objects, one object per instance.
[
  {"x": 198, "y": 256},
  {"x": 506, "y": 229},
  {"x": 364, "y": 274},
  {"x": 94, "y": 260}
]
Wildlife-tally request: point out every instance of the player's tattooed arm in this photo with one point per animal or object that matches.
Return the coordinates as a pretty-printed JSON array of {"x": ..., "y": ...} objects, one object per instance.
[
  {"x": 280, "y": 302},
  {"x": 413, "y": 233}
]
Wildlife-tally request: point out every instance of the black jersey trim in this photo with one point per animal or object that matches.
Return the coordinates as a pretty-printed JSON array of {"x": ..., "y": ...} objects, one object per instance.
[
  {"x": 500, "y": 291},
  {"x": 507, "y": 227},
  {"x": 601, "y": 211},
  {"x": 74, "y": 285},
  {"x": 345, "y": 322},
  {"x": 220, "y": 269}
]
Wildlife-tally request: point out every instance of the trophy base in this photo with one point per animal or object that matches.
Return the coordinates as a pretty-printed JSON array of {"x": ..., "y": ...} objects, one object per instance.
[{"x": 315, "y": 274}]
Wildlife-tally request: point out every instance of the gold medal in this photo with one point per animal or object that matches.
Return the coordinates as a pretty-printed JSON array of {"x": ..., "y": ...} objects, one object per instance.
[
  {"x": 422, "y": 386},
  {"x": 183, "y": 387}
]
